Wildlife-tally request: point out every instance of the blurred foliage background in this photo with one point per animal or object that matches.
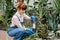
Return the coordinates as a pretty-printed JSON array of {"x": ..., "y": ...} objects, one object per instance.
[{"x": 46, "y": 11}]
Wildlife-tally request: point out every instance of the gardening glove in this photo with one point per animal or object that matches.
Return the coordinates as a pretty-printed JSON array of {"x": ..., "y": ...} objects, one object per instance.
[{"x": 33, "y": 18}]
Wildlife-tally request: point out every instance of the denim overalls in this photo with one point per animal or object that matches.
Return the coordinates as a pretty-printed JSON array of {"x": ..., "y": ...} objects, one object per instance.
[{"x": 19, "y": 33}]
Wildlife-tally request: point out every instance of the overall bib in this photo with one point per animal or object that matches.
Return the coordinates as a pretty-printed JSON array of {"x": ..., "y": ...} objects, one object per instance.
[{"x": 19, "y": 33}]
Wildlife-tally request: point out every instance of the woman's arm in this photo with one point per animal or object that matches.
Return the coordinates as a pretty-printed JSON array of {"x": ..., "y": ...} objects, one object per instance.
[{"x": 26, "y": 17}]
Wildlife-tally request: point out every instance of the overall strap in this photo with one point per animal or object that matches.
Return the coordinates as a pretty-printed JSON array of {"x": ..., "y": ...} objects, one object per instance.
[
  {"x": 19, "y": 20},
  {"x": 17, "y": 17}
]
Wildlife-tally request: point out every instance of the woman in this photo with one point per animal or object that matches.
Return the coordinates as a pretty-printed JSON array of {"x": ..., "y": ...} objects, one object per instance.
[{"x": 17, "y": 30}]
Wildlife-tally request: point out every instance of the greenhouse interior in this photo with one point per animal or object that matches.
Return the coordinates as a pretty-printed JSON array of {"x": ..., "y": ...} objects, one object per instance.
[{"x": 44, "y": 22}]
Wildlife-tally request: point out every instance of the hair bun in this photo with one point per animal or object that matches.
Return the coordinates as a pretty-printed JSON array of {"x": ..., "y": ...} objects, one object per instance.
[{"x": 22, "y": 6}]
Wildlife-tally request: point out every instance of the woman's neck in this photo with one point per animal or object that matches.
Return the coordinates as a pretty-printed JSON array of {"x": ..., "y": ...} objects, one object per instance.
[{"x": 19, "y": 13}]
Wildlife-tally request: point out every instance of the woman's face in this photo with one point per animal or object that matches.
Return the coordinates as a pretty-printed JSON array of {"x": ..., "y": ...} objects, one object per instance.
[{"x": 21, "y": 11}]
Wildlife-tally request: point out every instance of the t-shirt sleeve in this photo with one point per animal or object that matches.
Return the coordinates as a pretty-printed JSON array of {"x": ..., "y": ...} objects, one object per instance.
[{"x": 16, "y": 22}]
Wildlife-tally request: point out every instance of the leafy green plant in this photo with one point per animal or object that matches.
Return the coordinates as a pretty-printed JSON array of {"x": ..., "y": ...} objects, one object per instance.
[
  {"x": 8, "y": 12},
  {"x": 44, "y": 14},
  {"x": 43, "y": 31},
  {"x": 32, "y": 37}
]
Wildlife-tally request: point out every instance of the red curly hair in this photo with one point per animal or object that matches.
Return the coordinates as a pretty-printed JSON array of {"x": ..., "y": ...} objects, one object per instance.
[
  {"x": 22, "y": 6},
  {"x": 20, "y": 0}
]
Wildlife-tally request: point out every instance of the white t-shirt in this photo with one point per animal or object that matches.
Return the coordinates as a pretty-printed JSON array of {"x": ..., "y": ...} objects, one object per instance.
[{"x": 16, "y": 21}]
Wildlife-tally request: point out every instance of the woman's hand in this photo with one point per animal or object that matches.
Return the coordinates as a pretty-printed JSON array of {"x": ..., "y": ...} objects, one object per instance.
[
  {"x": 24, "y": 27},
  {"x": 33, "y": 19}
]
